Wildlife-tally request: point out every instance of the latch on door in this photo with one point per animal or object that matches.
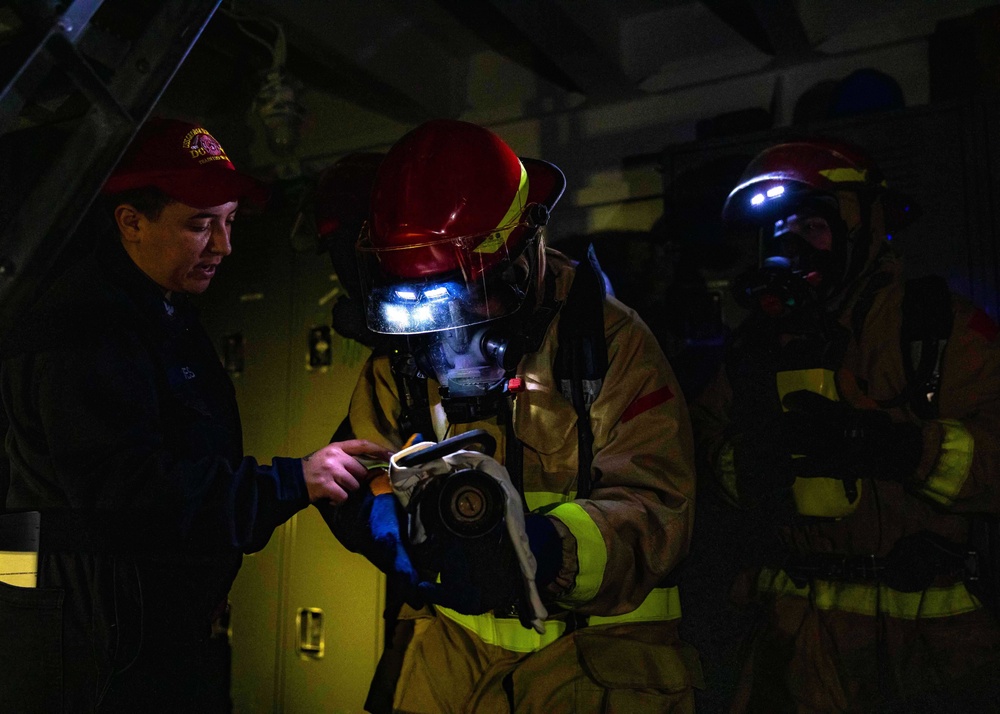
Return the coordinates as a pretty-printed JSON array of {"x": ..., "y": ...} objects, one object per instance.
[{"x": 309, "y": 626}]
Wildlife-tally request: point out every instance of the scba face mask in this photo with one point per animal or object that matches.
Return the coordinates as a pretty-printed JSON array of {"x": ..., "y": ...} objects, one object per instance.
[
  {"x": 473, "y": 365},
  {"x": 469, "y": 336},
  {"x": 803, "y": 246}
]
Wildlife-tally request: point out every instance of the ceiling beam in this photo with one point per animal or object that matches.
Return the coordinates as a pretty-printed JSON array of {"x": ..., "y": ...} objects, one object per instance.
[
  {"x": 543, "y": 37},
  {"x": 772, "y": 26},
  {"x": 340, "y": 63}
]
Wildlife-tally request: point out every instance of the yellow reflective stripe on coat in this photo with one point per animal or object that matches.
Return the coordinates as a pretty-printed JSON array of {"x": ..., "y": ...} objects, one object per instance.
[
  {"x": 506, "y": 632},
  {"x": 660, "y": 605},
  {"x": 541, "y": 499},
  {"x": 591, "y": 552},
  {"x": 869, "y": 599},
  {"x": 953, "y": 465},
  {"x": 819, "y": 380},
  {"x": 822, "y": 496}
]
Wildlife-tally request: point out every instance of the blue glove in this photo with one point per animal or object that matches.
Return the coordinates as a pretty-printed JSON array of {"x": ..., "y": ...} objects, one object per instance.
[
  {"x": 388, "y": 552},
  {"x": 370, "y": 524},
  {"x": 546, "y": 546}
]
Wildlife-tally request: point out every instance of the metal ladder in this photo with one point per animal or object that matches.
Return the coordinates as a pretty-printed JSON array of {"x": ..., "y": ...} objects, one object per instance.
[{"x": 77, "y": 80}]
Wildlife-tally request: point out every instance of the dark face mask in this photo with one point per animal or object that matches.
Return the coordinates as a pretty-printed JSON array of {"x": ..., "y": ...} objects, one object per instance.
[{"x": 793, "y": 272}]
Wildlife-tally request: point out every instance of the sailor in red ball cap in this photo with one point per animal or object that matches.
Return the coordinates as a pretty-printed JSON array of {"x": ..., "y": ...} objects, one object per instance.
[
  {"x": 176, "y": 194},
  {"x": 125, "y": 435}
]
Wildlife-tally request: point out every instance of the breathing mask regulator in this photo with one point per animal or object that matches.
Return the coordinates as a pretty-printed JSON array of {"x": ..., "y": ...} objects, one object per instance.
[{"x": 472, "y": 366}]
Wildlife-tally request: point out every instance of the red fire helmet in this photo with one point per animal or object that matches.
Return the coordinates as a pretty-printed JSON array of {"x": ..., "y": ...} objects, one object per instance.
[
  {"x": 820, "y": 165},
  {"x": 450, "y": 196},
  {"x": 452, "y": 210}
]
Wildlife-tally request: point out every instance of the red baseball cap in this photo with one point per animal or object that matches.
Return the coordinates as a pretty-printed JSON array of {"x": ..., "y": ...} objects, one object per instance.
[{"x": 185, "y": 162}]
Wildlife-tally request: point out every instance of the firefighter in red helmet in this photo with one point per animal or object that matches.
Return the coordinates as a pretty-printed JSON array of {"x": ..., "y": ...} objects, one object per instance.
[
  {"x": 858, "y": 410},
  {"x": 490, "y": 337},
  {"x": 452, "y": 255}
]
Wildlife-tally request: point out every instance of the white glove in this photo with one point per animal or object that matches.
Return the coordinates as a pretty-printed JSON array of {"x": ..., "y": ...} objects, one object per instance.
[{"x": 408, "y": 482}]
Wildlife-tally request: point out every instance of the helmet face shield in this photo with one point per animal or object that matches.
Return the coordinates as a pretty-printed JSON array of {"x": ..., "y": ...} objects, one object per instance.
[{"x": 408, "y": 293}]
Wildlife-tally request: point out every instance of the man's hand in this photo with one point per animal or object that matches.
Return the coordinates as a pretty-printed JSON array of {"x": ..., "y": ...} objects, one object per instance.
[{"x": 335, "y": 470}]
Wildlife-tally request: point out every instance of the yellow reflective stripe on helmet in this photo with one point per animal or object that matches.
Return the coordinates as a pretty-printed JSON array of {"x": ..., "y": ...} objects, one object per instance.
[
  {"x": 541, "y": 499},
  {"x": 868, "y": 599},
  {"x": 506, "y": 632},
  {"x": 845, "y": 174},
  {"x": 953, "y": 465},
  {"x": 510, "y": 220},
  {"x": 591, "y": 552},
  {"x": 661, "y": 604}
]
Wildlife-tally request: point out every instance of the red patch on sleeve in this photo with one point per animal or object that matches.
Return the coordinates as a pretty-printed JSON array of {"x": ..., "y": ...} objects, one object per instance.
[
  {"x": 647, "y": 402},
  {"x": 983, "y": 324}
]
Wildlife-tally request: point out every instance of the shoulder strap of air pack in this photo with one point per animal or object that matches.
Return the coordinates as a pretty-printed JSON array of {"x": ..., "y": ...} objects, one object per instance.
[
  {"x": 925, "y": 327},
  {"x": 415, "y": 410},
  {"x": 927, "y": 320},
  {"x": 927, "y": 324},
  {"x": 582, "y": 356}
]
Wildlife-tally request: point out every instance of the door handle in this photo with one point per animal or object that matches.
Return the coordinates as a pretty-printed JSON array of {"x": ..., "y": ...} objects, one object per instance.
[{"x": 309, "y": 629}]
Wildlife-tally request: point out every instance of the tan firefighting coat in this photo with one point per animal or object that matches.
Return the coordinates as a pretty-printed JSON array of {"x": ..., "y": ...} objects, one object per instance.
[
  {"x": 621, "y": 542},
  {"x": 822, "y": 637}
]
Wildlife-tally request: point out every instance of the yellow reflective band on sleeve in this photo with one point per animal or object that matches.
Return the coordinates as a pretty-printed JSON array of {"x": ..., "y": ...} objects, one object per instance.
[
  {"x": 506, "y": 632},
  {"x": 661, "y": 604},
  {"x": 868, "y": 599},
  {"x": 591, "y": 552},
  {"x": 953, "y": 465},
  {"x": 498, "y": 236},
  {"x": 541, "y": 499}
]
